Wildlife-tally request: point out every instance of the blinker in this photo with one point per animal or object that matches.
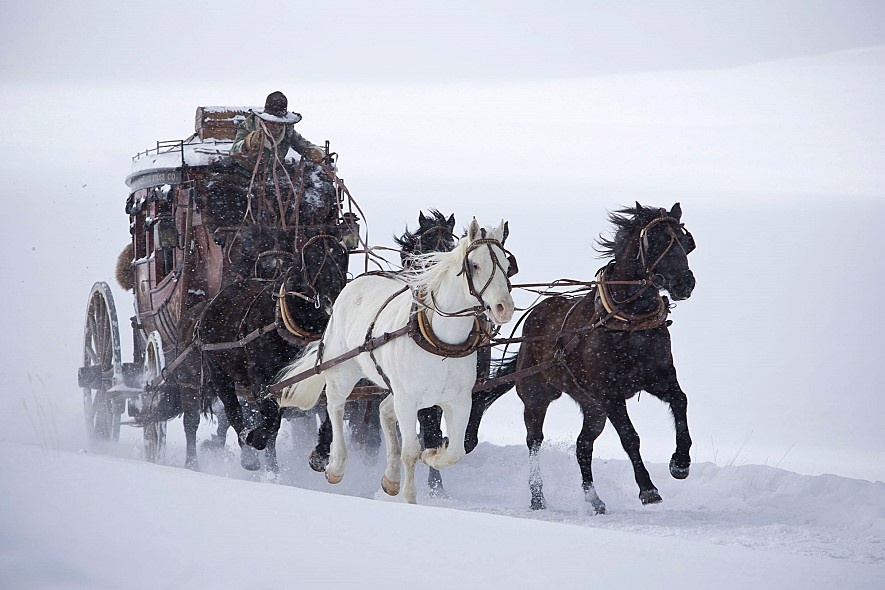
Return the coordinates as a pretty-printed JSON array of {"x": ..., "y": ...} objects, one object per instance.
[{"x": 513, "y": 268}]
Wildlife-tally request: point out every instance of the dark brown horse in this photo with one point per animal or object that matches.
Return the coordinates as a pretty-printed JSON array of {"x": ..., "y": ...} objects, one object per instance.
[
  {"x": 239, "y": 349},
  {"x": 607, "y": 346}
]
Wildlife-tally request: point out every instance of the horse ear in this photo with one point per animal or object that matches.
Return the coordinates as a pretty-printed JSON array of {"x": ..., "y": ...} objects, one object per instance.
[
  {"x": 505, "y": 233},
  {"x": 638, "y": 208},
  {"x": 676, "y": 211},
  {"x": 473, "y": 232},
  {"x": 422, "y": 221},
  {"x": 451, "y": 222}
]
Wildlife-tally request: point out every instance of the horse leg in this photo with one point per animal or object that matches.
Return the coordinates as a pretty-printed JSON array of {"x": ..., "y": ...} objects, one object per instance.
[
  {"x": 594, "y": 422},
  {"x": 669, "y": 392},
  {"x": 430, "y": 420},
  {"x": 272, "y": 415},
  {"x": 227, "y": 394},
  {"x": 391, "y": 481},
  {"x": 456, "y": 423},
  {"x": 319, "y": 457},
  {"x": 337, "y": 390},
  {"x": 191, "y": 418},
  {"x": 219, "y": 438},
  {"x": 617, "y": 413},
  {"x": 536, "y": 398},
  {"x": 407, "y": 416}
]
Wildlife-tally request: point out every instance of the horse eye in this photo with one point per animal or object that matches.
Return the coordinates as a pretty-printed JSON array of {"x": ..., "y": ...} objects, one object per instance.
[{"x": 475, "y": 266}]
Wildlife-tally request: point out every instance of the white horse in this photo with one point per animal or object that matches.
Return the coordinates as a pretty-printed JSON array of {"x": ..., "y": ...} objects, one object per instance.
[{"x": 452, "y": 289}]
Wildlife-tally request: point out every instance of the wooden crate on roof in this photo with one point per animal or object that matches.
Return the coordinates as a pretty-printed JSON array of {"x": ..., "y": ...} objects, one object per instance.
[{"x": 219, "y": 122}]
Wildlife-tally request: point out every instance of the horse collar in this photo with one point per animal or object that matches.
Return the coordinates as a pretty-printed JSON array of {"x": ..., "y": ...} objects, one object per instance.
[
  {"x": 294, "y": 334},
  {"x": 422, "y": 333},
  {"x": 620, "y": 320}
]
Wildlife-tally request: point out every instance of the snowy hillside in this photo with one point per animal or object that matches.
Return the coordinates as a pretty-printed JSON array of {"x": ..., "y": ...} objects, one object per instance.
[{"x": 87, "y": 520}]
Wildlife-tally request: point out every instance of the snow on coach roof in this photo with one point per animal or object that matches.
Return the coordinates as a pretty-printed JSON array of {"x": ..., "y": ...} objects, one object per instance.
[{"x": 214, "y": 131}]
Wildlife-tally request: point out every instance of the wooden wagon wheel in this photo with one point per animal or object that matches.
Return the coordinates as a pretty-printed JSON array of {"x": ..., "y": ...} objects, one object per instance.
[
  {"x": 154, "y": 430},
  {"x": 101, "y": 366}
]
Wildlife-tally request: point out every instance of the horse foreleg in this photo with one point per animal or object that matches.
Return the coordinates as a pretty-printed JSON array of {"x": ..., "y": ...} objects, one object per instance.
[
  {"x": 456, "y": 415},
  {"x": 319, "y": 457},
  {"x": 191, "y": 419},
  {"x": 391, "y": 481},
  {"x": 594, "y": 422},
  {"x": 430, "y": 420},
  {"x": 672, "y": 394},
  {"x": 617, "y": 413},
  {"x": 407, "y": 416},
  {"x": 272, "y": 415},
  {"x": 534, "y": 413},
  {"x": 336, "y": 396}
]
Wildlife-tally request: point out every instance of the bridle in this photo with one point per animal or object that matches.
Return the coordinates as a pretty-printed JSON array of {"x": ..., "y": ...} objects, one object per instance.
[
  {"x": 643, "y": 256},
  {"x": 496, "y": 263},
  {"x": 444, "y": 240},
  {"x": 652, "y": 279}
]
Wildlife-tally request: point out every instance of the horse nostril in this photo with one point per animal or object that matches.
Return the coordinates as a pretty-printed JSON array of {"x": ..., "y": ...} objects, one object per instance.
[{"x": 499, "y": 309}]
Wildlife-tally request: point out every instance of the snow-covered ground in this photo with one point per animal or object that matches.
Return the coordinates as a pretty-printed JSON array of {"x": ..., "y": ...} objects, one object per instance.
[{"x": 99, "y": 520}]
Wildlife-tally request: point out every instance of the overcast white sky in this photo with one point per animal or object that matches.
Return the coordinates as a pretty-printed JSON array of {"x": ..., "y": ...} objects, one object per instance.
[{"x": 418, "y": 40}]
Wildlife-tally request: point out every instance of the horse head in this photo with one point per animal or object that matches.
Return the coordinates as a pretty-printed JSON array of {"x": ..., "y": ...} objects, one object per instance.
[
  {"x": 654, "y": 243},
  {"x": 487, "y": 270},
  {"x": 434, "y": 234},
  {"x": 324, "y": 261}
]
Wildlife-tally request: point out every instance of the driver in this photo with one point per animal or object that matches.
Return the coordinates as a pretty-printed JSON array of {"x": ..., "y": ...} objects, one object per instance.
[{"x": 270, "y": 126}]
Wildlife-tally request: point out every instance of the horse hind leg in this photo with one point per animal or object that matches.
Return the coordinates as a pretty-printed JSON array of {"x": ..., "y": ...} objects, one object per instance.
[
  {"x": 594, "y": 422},
  {"x": 536, "y": 397}
]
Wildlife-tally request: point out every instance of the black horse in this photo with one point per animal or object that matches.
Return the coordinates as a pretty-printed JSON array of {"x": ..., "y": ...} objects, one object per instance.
[
  {"x": 256, "y": 325},
  {"x": 607, "y": 346}
]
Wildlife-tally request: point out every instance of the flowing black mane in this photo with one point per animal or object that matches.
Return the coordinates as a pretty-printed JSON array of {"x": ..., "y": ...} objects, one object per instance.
[
  {"x": 409, "y": 240},
  {"x": 626, "y": 221}
]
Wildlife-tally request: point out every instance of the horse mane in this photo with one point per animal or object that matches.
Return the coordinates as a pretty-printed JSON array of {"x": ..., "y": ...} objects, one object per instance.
[
  {"x": 626, "y": 221},
  {"x": 409, "y": 240},
  {"x": 428, "y": 270}
]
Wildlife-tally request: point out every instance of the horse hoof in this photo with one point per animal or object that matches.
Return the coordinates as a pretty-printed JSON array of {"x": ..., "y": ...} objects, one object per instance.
[
  {"x": 391, "y": 488},
  {"x": 332, "y": 478},
  {"x": 678, "y": 472},
  {"x": 249, "y": 459},
  {"x": 539, "y": 504},
  {"x": 257, "y": 439},
  {"x": 650, "y": 496},
  {"x": 318, "y": 462}
]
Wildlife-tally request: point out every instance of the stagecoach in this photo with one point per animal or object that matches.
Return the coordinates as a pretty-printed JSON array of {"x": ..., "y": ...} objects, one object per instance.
[
  {"x": 186, "y": 237},
  {"x": 211, "y": 245}
]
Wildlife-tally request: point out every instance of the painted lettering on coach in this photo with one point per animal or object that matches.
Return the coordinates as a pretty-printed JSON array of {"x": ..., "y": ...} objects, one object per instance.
[{"x": 153, "y": 178}]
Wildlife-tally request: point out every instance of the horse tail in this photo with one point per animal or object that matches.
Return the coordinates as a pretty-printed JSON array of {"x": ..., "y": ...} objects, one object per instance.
[
  {"x": 484, "y": 398},
  {"x": 305, "y": 393}
]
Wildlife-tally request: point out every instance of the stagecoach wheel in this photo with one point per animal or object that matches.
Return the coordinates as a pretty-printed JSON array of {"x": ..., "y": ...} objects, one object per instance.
[
  {"x": 154, "y": 430},
  {"x": 101, "y": 368}
]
